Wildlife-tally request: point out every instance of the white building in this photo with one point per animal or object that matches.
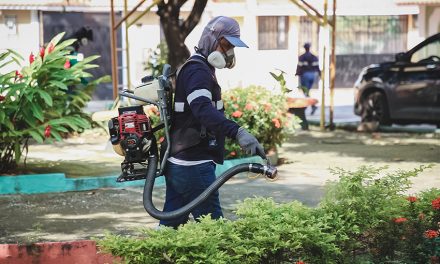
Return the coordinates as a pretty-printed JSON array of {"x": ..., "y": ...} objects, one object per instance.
[{"x": 275, "y": 31}]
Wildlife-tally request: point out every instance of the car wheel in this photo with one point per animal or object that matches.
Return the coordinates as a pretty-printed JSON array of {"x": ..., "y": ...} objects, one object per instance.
[{"x": 375, "y": 109}]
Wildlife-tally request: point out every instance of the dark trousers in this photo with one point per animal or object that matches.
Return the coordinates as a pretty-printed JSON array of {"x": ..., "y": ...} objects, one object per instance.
[
  {"x": 184, "y": 184},
  {"x": 306, "y": 80}
]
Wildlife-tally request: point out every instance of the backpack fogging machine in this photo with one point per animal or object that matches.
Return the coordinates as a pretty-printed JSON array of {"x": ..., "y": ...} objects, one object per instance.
[{"x": 133, "y": 136}]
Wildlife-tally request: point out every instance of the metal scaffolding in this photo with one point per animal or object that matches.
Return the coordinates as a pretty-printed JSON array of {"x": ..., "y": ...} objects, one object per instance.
[
  {"x": 322, "y": 20},
  {"x": 114, "y": 27}
]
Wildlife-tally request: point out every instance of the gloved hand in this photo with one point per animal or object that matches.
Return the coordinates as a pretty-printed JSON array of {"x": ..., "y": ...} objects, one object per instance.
[{"x": 249, "y": 143}]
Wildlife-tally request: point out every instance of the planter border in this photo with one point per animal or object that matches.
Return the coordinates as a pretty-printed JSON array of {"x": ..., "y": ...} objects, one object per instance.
[
  {"x": 58, "y": 182},
  {"x": 81, "y": 251}
]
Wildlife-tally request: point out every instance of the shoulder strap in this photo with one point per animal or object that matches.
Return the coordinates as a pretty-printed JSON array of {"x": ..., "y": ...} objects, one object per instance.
[{"x": 189, "y": 60}]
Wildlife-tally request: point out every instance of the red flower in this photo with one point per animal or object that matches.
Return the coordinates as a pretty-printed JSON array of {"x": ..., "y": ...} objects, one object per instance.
[
  {"x": 161, "y": 139},
  {"x": 431, "y": 234},
  {"x": 412, "y": 199},
  {"x": 2, "y": 98},
  {"x": 276, "y": 122},
  {"x": 237, "y": 114},
  {"x": 47, "y": 131},
  {"x": 400, "y": 220},
  {"x": 31, "y": 58},
  {"x": 18, "y": 75},
  {"x": 233, "y": 153},
  {"x": 436, "y": 204},
  {"x": 67, "y": 64},
  {"x": 50, "y": 48},
  {"x": 300, "y": 262},
  {"x": 42, "y": 52},
  {"x": 249, "y": 107}
]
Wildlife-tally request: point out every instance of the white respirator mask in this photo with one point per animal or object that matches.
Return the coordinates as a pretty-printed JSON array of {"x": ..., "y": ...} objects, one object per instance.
[{"x": 220, "y": 60}]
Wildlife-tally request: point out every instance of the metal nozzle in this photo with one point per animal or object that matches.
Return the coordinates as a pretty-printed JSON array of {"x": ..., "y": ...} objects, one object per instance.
[{"x": 270, "y": 172}]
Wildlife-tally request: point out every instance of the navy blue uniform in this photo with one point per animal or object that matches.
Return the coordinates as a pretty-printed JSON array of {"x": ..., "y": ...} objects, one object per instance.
[
  {"x": 307, "y": 62},
  {"x": 198, "y": 133},
  {"x": 198, "y": 104}
]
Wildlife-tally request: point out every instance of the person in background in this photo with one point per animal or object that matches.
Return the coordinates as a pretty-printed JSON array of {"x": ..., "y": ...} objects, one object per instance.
[
  {"x": 199, "y": 126},
  {"x": 308, "y": 71}
]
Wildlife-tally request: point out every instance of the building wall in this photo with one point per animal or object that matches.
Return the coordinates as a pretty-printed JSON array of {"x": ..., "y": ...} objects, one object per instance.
[
  {"x": 26, "y": 37},
  {"x": 432, "y": 20},
  {"x": 253, "y": 65}
]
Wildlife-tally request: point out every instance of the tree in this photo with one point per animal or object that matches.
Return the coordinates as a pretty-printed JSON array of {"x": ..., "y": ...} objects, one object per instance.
[{"x": 176, "y": 30}]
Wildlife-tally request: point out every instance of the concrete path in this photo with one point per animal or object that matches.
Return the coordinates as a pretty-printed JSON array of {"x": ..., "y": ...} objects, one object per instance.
[{"x": 307, "y": 158}]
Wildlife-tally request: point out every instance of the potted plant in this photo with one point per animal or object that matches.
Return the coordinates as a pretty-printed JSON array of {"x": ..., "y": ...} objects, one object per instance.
[{"x": 263, "y": 113}]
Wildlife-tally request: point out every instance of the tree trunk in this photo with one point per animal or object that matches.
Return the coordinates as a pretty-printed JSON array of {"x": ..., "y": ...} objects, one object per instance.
[
  {"x": 176, "y": 30},
  {"x": 7, "y": 160}
]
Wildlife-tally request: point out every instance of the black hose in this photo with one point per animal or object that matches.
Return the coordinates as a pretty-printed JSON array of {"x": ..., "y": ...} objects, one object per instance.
[{"x": 269, "y": 171}]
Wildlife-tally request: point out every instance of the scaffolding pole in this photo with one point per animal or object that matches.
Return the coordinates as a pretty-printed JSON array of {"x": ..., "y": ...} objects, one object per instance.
[{"x": 114, "y": 52}]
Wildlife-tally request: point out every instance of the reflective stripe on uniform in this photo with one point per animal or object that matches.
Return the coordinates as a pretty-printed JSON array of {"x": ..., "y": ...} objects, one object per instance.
[
  {"x": 198, "y": 93},
  {"x": 219, "y": 105},
  {"x": 315, "y": 63},
  {"x": 179, "y": 106}
]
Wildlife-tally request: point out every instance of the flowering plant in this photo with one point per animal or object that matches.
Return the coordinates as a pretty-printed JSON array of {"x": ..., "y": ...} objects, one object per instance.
[
  {"x": 43, "y": 100},
  {"x": 262, "y": 113},
  {"x": 414, "y": 234}
]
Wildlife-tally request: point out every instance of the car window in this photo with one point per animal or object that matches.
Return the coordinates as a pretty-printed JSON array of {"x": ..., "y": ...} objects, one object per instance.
[{"x": 426, "y": 53}]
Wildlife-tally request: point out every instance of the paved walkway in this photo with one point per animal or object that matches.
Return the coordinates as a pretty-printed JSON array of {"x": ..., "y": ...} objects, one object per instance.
[{"x": 307, "y": 156}]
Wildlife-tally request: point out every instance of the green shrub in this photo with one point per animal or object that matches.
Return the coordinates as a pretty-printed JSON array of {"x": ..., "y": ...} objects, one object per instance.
[
  {"x": 263, "y": 113},
  {"x": 354, "y": 223},
  {"x": 42, "y": 100}
]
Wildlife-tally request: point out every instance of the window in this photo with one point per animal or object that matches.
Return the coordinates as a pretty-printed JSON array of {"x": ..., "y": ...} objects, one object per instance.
[
  {"x": 371, "y": 34},
  {"x": 308, "y": 32},
  {"x": 11, "y": 24},
  {"x": 273, "y": 32},
  {"x": 428, "y": 51}
]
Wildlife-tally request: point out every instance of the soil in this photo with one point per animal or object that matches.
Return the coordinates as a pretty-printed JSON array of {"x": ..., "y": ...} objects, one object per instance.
[{"x": 306, "y": 158}]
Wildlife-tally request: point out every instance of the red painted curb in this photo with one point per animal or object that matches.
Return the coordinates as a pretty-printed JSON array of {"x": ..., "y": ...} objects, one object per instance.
[{"x": 72, "y": 252}]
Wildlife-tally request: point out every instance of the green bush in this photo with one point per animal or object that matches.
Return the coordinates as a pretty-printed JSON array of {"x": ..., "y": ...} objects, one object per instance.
[
  {"x": 43, "y": 100},
  {"x": 354, "y": 223},
  {"x": 263, "y": 113}
]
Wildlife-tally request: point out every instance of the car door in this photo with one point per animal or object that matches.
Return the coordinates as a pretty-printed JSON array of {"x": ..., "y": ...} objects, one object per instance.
[{"x": 418, "y": 86}]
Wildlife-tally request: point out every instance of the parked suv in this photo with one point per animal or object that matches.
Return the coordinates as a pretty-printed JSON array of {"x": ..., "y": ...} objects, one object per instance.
[{"x": 404, "y": 91}]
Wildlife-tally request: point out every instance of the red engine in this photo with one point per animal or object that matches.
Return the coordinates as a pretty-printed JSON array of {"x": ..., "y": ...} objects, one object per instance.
[{"x": 132, "y": 131}]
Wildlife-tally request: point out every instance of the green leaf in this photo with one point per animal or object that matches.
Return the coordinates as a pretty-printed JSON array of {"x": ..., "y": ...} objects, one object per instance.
[
  {"x": 15, "y": 54},
  {"x": 37, "y": 112},
  {"x": 59, "y": 84},
  {"x": 57, "y": 38},
  {"x": 276, "y": 77},
  {"x": 2, "y": 116},
  {"x": 6, "y": 63},
  {"x": 65, "y": 44},
  {"x": 46, "y": 97},
  {"x": 35, "y": 135},
  {"x": 61, "y": 129},
  {"x": 56, "y": 135},
  {"x": 85, "y": 61}
]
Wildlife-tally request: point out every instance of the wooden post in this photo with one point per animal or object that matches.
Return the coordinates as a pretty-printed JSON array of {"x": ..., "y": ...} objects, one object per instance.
[
  {"x": 127, "y": 47},
  {"x": 114, "y": 52},
  {"x": 333, "y": 67},
  {"x": 322, "y": 122}
]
